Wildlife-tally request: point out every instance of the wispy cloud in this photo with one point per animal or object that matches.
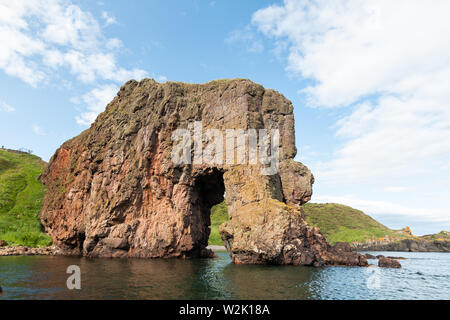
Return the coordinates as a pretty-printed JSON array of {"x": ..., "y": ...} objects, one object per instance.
[
  {"x": 385, "y": 207},
  {"x": 108, "y": 18},
  {"x": 38, "y": 130},
  {"x": 161, "y": 78},
  {"x": 6, "y": 107},
  {"x": 246, "y": 37}
]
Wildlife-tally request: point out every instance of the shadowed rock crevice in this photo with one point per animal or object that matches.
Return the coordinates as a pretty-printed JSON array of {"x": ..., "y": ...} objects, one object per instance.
[
  {"x": 208, "y": 190},
  {"x": 115, "y": 190}
]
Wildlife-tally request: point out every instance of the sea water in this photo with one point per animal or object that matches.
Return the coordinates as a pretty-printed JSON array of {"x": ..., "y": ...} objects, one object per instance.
[{"x": 423, "y": 276}]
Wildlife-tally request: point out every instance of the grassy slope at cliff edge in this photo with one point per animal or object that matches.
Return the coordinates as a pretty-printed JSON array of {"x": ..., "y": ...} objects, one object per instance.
[
  {"x": 338, "y": 223},
  {"x": 21, "y": 195}
]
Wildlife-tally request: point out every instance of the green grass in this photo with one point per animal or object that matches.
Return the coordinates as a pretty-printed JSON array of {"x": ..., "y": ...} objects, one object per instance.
[
  {"x": 441, "y": 236},
  {"x": 21, "y": 195},
  {"x": 339, "y": 223},
  {"x": 219, "y": 214}
]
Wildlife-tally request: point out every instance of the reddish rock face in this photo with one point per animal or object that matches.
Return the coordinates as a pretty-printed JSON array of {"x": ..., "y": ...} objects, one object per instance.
[{"x": 116, "y": 191}]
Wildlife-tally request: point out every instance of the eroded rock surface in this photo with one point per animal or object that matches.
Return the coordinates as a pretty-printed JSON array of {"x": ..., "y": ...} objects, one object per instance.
[{"x": 115, "y": 191}]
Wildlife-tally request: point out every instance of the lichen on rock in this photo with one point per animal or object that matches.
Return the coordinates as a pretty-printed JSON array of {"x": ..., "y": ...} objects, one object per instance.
[{"x": 115, "y": 191}]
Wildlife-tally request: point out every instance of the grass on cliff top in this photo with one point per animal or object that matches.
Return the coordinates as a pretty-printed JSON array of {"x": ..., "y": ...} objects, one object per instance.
[{"x": 21, "y": 197}]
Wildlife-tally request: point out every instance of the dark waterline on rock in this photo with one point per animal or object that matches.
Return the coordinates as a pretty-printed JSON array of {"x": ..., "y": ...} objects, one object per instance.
[{"x": 423, "y": 276}]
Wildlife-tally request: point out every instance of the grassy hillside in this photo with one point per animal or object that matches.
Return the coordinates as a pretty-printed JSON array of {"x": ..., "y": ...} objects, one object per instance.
[
  {"x": 338, "y": 223},
  {"x": 219, "y": 214},
  {"x": 342, "y": 223},
  {"x": 21, "y": 199},
  {"x": 441, "y": 236}
]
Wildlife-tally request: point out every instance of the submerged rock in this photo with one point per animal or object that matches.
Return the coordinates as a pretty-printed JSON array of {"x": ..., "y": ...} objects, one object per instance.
[{"x": 116, "y": 191}]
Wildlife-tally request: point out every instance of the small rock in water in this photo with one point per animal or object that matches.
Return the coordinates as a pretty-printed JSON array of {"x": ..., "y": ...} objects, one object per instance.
[
  {"x": 369, "y": 256},
  {"x": 384, "y": 262},
  {"x": 397, "y": 258}
]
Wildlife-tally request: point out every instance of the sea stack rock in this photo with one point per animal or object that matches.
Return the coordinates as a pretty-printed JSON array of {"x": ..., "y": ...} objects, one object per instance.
[{"x": 141, "y": 181}]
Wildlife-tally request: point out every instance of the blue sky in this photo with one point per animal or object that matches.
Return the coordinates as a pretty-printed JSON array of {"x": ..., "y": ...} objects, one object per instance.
[{"x": 369, "y": 81}]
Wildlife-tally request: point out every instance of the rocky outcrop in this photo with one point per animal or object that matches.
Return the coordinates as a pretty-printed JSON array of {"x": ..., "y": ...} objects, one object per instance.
[
  {"x": 384, "y": 262},
  {"x": 116, "y": 191},
  {"x": 407, "y": 245},
  {"x": 270, "y": 231},
  {"x": 3, "y": 243}
]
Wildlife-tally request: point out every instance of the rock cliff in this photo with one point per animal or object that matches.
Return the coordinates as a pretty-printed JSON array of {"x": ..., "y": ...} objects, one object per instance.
[
  {"x": 406, "y": 245},
  {"x": 119, "y": 189}
]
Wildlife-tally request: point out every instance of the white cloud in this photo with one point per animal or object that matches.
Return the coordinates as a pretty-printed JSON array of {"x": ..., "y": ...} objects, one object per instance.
[
  {"x": 108, "y": 18},
  {"x": 38, "y": 130},
  {"x": 388, "y": 63},
  {"x": 352, "y": 48},
  {"x": 96, "y": 100},
  {"x": 41, "y": 38},
  {"x": 161, "y": 78},
  {"x": 6, "y": 107},
  {"x": 114, "y": 43}
]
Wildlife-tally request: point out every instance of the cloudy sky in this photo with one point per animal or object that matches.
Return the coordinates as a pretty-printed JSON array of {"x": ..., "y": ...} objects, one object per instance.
[{"x": 369, "y": 80}]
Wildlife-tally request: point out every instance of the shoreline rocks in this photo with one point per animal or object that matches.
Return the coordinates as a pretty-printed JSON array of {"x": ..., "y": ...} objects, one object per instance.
[
  {"x": 406, "y": 245},
  {"x": 30, "y": 251}
]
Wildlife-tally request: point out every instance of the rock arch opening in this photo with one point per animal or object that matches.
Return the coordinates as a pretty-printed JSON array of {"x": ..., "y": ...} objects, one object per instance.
[{"x": 208, "y": 191}]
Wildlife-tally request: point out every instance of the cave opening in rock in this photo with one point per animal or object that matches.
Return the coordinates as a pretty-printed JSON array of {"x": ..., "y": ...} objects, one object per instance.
[{"x": 209, "y": 190}]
